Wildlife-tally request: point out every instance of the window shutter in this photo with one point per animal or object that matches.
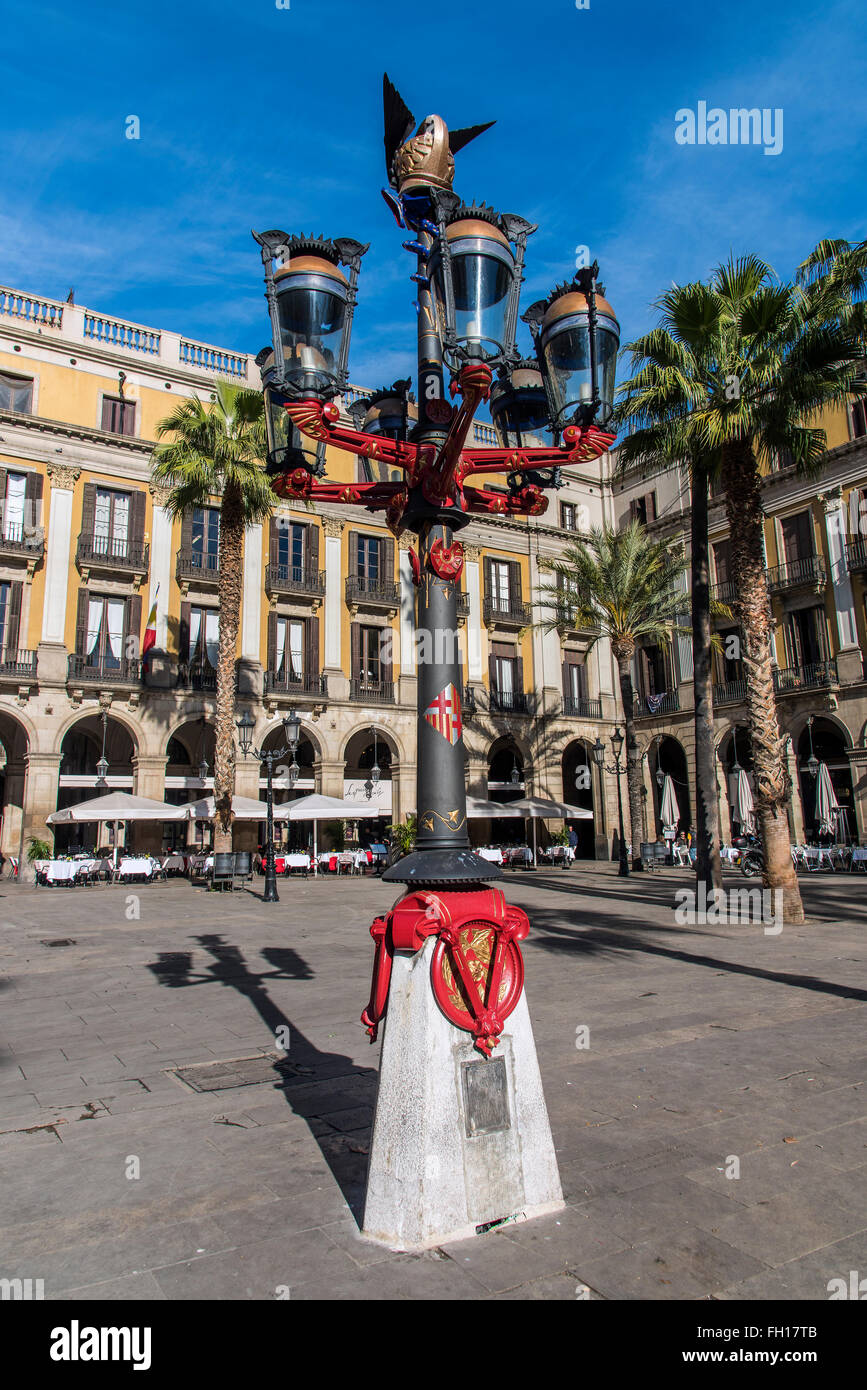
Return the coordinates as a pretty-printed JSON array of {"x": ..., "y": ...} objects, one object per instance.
[
  {"x": 651, "y": 506},
  {"x": 489, "y": 585},
  {"x": 312, "y": 638},
  {"x": 519, "y": 676},
  {"x": 385, "y": 647},
  {"x": 138, "y": 512},
  {"x": 13, "y": 620},
  {"x": 492, "y": 671},
  {"x": 353, "y": 553},
  {"x": 133, "y": 626},
  {"x": 564, "y": 677},
  {"x": 81, "y": 623},
  {"x": 3, "y": 484},
  {"x": 355, "y": 649},
  {"x": 184, "y": 632},
  {"x": 313, "y": 552},
  {"x": 128, "y": 417},
  {"x": 387, "y": 573},
  {"x": 88, "y": 511},
  {"x": 515, "y": 584},
  {"x": 33, "y": 496},
  {"x": 273, "y": 543},
  {"x": 187, "y": 535},
  {"x": 272, "y": 639}
]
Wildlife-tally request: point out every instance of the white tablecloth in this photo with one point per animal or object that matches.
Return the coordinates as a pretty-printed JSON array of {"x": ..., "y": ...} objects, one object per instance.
[
  {"x": 174, "y": 861},
  {"x": 495, "y": 856},
  {"x": 60, "y": 870},
  {"x": 129, "y": 868},
  {"x": 292, "y": 861}
]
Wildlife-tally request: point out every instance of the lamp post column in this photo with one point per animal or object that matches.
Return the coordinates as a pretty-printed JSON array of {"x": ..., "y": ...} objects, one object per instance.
[
  {"x": 623, "y": 870},
  {"x": 270, "y": 893}
]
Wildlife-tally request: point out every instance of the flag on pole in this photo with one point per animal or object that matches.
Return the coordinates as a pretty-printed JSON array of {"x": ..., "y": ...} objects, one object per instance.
[{"x": 150, "y": 636}]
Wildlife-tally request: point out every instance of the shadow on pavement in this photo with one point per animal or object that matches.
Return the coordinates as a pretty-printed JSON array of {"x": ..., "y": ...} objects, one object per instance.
[{"x": 340, "y": 1117}]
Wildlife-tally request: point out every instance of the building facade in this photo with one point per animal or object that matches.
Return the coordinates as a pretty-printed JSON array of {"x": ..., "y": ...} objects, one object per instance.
[
  {"x": 816, "y": 556},
  {"x": 87, "y": 546}
]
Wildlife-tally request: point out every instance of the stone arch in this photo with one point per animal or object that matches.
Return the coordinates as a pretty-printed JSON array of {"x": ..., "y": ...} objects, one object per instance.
[
  {"x": 829, "y": 741},
  {"x": 385, "y": 734},
  {"x": 16, "y": 741},
  {"x": 132, "y": 726},
  {"x": 667, "y": 755},
  {"x": 81, "y": 749},
  {"x": 578, "y": 790}
]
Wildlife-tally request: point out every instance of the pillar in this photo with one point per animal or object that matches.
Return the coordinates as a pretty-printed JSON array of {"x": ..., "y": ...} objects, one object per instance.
[
  {"x": 40, "y": 799},
  {"x": 52, "y": 651},
  {"x": 849, "y": 663}
]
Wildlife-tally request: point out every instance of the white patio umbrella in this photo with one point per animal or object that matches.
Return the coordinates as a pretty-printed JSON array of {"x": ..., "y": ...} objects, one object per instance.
[
  {"x": 745, "y": 804},
  {"x": 669, "y": 811},
  {"x": 316, "y": 807},
  {"x": 827, "y": 805},
  {"x": 115, "y": 807},
  {"x": 479, "y": 809},
  {"x": 243, "y": 808},
  {"x": 539, "y": 808}
]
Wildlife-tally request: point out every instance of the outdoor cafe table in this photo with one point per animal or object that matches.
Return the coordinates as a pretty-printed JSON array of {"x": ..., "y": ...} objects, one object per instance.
[
  {"x": 284, "y": 862},
  {"x": 174, "y": 863},
  {"x": 859, "y": 856},
  {"x": 135, "y": 868},
  {"x": 495, "y": 856}
]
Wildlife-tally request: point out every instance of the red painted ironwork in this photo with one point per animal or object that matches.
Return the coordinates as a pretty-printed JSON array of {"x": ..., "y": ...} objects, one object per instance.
[{"x": 477, "y": 970}]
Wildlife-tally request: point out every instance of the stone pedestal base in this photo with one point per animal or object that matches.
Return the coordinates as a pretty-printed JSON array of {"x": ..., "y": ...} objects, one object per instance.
[{"x": 458, "y": 1140}]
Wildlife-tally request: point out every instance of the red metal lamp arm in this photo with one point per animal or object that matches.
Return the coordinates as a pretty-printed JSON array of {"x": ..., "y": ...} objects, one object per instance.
[{"x": 318, "y": 421}]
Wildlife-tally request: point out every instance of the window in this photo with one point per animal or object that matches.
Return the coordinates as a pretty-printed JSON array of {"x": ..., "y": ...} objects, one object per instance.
[
  {"x": 369, "y": 558},
  {"x": 289, "y": 649},
  {"x": 118, "y": 415},
  {"x": 102, "y": 640},
  {"x": 574, "y": 679},
  {"x": 365, "y": 471},
  {"x": 13, "y": 508},
  {"x": 10, "y": 619},
  {"x": 797, "y": 537},
  {"x": 205, "y": 541},
  {"x": 654, "y": 671},
  {"x": 806, "y": 637},
  {"x": 16, "y": 393},
  {"x": 858, "y": 414},
  {"x": 643, "y": 509},
  {"x": 569, "y": 516},
  {"x": 371, "y": 663},
  {"x": 291, "y": 549},
  {"x": 722, "y": 562},
  {"x": 111, "y": 523},
  {"x": 500, "y": 593},
  {"x": 204, "y": 642}
]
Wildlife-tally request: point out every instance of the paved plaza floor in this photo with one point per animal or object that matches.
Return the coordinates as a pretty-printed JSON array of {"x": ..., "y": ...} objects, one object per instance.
[{"x": 154, "y": 1144}]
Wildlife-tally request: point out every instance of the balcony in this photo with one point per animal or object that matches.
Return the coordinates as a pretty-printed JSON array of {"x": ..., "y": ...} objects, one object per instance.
[
  {"x": 23, "y": 544},
  {"x": 295, "y": 579},
  {"x": 101, "y": 669},
  {"x": 17, "y": 665},
  {"x": 285, "y": 683},
  {"x": 798, "y": 574},
  {"x": 364, "y": 592},
  {"x": 469, "y": 706},
  {"x": 647, "y": 707},
  {"x": 509, "y": 702},
  {"x": 725, "y": 592},
  {"x": 856, "y": 557},
  {"x": 108, "y": 556},
  {"x": 197, "y": 568},
  {"x": 730, "y": 693},
  {"x": 197, "y": 675},
  {"x": 463, "y": 604},
  {"x": 506, "y": 613},
  {"x": 581, "y": 708},
  {"x": 815, "y": 675},
  {"x": 371, "y": 692}
]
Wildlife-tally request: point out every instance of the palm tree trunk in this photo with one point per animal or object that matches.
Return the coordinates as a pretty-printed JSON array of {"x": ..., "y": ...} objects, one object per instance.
[
  {"x": 229, "y": 588},
  {"x": 708, "y": 867},
  {"x": 752, "y": 605},
  {"x": 633, "y": 759}
]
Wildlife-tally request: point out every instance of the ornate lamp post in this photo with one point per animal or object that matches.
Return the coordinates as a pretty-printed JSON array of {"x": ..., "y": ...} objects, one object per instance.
[
  {"x": 102, "y": 764},
  {"x": 599, "y": 759},
  {"x": 812, "y": 763},
  {"x": 291, "y": 729},
  {"x": 468, "y": 275}
]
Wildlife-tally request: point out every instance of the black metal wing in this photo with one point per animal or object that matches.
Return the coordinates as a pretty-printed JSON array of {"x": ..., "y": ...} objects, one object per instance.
[
  {"x": 459, "y": 138},
  {"x": 399, "y": 123}
]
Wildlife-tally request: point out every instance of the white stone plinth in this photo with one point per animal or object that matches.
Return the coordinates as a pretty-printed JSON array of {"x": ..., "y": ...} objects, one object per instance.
[{"x": 429, "y": 1181}]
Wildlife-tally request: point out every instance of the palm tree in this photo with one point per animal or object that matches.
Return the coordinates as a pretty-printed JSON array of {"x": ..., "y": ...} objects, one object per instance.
[
  {"x": 623, "y": 585},
  {"x": 220, "y": 452},
  {"x": 737, "y": 373}
]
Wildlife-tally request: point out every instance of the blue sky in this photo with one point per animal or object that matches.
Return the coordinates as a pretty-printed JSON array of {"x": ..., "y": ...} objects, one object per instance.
[{"x": 257, "y": 116}]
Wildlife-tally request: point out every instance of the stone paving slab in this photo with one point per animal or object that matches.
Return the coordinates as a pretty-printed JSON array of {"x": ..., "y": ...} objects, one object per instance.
[{"x": 705, "y": 1043}]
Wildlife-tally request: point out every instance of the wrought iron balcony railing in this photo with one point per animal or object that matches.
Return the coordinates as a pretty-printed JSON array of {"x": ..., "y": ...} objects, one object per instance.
[
  {"x": 195, "y": 564},
  {"x": 648, "y": 706},
  {"x": 372, "y": 692},
  {"x": 284, "y": 682},
  {"x": 509, "y": 702},
  {"x": 581, "y": 708},
  {"x": 725, "y": 592},
  {"x": 856, "y": 556},
  {"x": 361, "y": 588},
  {"x": 469, "y": 706},
  {"x": 510, "y": 611},
  {"x": 295, "y": 579},
  {"x": 806, "y": 573},
  {"x": 730, "y": 692},
  {"x": 105, "y": 553},
  {"x": 19, "y": 664},
  {"x": 815, "y": 675},
  {"x": 104, "y": 669},
  {"x": 197, "y": 675},
  {"x": 463, "y": 604},
  {"x": 15, "y": 540}
]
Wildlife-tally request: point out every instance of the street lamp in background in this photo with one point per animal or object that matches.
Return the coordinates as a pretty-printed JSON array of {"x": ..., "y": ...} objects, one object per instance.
[
  {"x": 291, "y": 730},
  {"x": 102, "y": 765},
  {"x": 812, "y": 763},
  {"x": 599, "y": 759}
]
